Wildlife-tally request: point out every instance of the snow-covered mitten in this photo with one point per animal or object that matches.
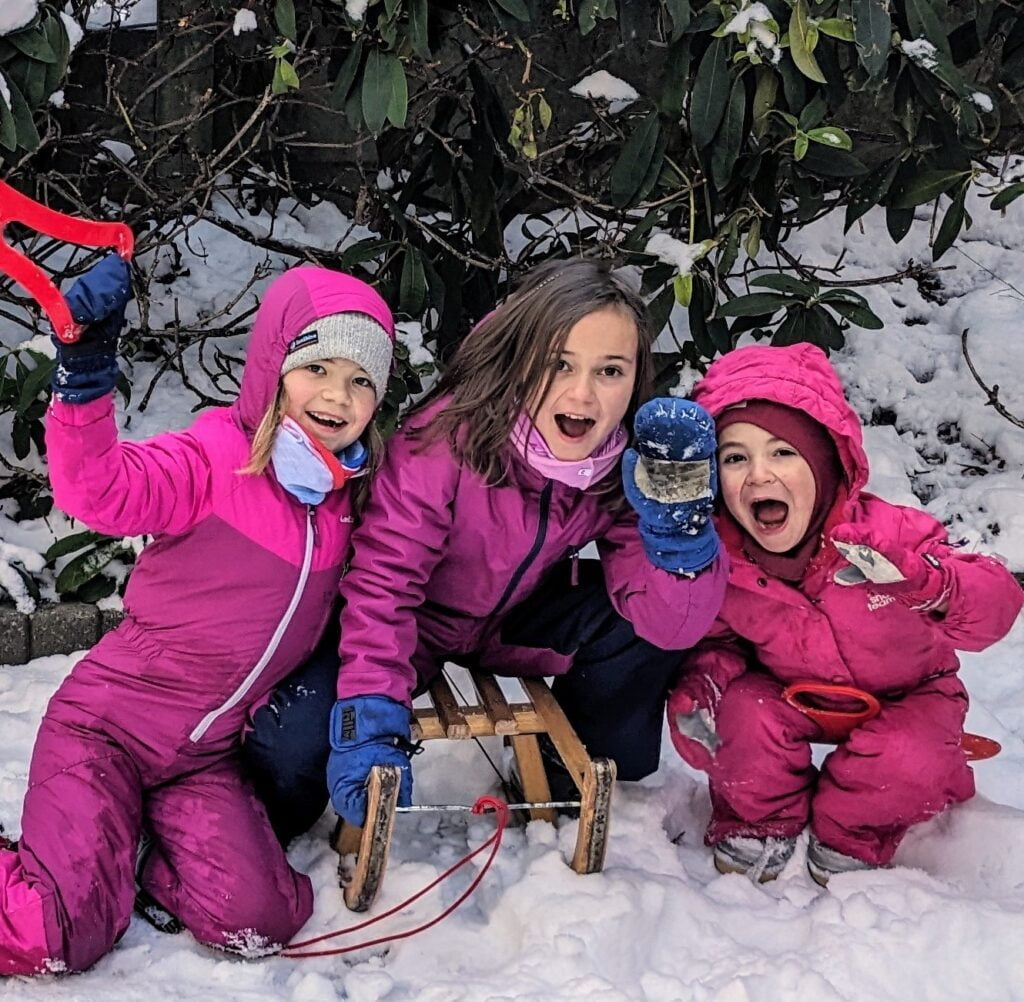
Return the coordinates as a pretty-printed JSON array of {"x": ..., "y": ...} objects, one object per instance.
[
  {"x": 87, "y": 369},
  {"x": 918, "y": 580},
  {"x": 691, "y": 720},
  {"x": 671, "y": 479}
]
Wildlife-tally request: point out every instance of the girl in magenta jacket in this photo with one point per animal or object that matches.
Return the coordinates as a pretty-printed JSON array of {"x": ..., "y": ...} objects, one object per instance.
[
  {"x": 829, "y": 584},
  {"x": 468, "y": 550},
  {"x": 251, "y": 521}
]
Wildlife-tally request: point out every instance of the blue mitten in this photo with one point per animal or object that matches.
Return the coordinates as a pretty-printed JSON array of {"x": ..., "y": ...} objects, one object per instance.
[
  {"x": 87, "y": 369},
  {"x": 671, "y": 480},
  {"x": 367, "y": 731}
]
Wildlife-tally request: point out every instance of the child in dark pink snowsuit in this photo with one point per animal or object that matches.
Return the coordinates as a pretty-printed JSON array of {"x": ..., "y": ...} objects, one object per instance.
[
  {"x": 828, "y": 584},
  {"x": 251, "y": 524}
]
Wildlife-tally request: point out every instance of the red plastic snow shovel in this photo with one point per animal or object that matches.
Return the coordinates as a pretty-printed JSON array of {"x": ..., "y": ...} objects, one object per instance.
[
  {"x": 838, "y": 709},
  {"x": 18, "y": 208}
]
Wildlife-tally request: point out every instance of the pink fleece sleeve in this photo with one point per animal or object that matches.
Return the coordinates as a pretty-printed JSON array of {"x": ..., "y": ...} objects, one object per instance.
[
  {"x": 398, "y": 544},
  {"x": 123, "y": 488},
  {"x": 670, "y": 611},
  {"x": 984, "y": 598}
]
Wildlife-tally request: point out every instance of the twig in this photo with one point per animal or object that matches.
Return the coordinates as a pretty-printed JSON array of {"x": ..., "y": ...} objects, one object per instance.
[{"x": 992, "y": 393}]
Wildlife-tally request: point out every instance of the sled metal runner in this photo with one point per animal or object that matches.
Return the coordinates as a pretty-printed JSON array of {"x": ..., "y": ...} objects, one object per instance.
[{"x": 492, "y": 714}]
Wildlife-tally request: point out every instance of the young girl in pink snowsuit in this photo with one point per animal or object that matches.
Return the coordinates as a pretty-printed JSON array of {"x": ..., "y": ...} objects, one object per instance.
[
  {"x": 251, "y": 519},
  {"x": 828, "y": 584}
]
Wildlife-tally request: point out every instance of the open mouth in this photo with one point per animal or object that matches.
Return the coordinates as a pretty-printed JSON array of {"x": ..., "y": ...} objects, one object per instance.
[
  {"x": 325, "y": 422},
  {"x": 573, "y": 426},
  {"x": 770, "y": 515}
]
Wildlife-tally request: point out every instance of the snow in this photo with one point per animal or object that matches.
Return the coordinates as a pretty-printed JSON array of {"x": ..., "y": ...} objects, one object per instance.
[
  {"x": 658, "y": 924},
  {"x": 15, "y": 14},
  {"x": 245, "y": 20},
  {"x": 602, "y": 85}
]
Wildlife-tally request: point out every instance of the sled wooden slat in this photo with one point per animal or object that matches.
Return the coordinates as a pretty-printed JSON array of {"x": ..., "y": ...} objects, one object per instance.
[
  {"x": 493, "y": 714},
  {"x": 495, "y": 705},
  {"x": 453, "y": 722}
]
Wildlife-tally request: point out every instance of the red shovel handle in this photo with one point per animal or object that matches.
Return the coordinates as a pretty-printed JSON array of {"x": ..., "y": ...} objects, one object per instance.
[
  {"x": 836, "y": 725},
  {"x": 18, "y": 208}
]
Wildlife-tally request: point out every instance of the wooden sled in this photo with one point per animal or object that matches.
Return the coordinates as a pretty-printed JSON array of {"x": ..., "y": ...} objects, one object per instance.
[{"x": 492, "y": 714}]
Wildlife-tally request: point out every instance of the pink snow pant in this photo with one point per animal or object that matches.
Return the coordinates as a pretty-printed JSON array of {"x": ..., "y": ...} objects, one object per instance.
[
  {"x": 66, "y": 894},
  {"x": 903, "y": 767}
]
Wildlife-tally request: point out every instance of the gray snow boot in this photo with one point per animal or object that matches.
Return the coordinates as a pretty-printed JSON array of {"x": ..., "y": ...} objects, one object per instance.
[
  {"x": 823, "y": 862},
  {"x": 761, "y": 859}
]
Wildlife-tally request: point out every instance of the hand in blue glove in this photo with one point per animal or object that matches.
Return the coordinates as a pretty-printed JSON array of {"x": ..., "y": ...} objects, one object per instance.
[
  {"x": 671, "y": 480},
  {"x": 87, "y": 369},
  {"x": 367, "y": 731}
]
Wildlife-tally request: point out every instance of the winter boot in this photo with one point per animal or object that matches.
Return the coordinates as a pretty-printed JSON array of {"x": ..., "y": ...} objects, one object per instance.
[
  {"x": 824, "y": 862},
  {"x": 761, "y": 859},
  {"x": 146, "y": 906}
]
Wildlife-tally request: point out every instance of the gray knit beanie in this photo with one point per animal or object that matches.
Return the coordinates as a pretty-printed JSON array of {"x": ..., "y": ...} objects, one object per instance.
[{"x": 355, "y": 336}]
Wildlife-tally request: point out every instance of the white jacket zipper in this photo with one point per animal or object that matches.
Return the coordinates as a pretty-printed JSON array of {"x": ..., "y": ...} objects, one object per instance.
[{"x": 247, "y": 683}]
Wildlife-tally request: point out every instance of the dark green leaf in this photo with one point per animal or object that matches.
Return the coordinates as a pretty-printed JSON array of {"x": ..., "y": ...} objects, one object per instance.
[
  {"x": 832, "y": 162},
  {"x": 8, "y": 128},
  {"x": 346, "y": 75},
  {"x": 862, "y": 316},
  {"x": 757, "y": 304},
  {"x": 898, "y": 222},
  {"x": 33, "y": 42},
  {"x": 729, "y": 141},
  {"x": 1007, "y": 195},
  {"x": 711, "y": 89},
  {"x": 870, "y": 192},
  {"x": 925, "y": 187},
  {"x": 660, "y": 308},
  {"x": 28, "y": 137},
  {"x": 284, "y": 18},
  {"x": 413, "y": 289},
  {"x": 813, "y": 112},
  {"x": 794, "y": 329},
  {"x": 57, "y": 37},
  {"x": 517, "y": 8},
  {"x": 802, "y": 38},
  {"x": 33, "y": 385},
  {"x": 923, "y": 22},
  {"x": 385, "y": 94},
  {"x": 679, "y": 11},
  {"x": 634, "y": 161},
  {"x": 364, "y": 250},
  {"x": 418, "y": 33},
  {"x": 87, "y": 565},
  {"x": 951, "y": 224},
  {"x": 872, "y": 27},
  {"x": 786, "y": 283},
  {"x": 824, "y": 330},
  {"x": 68, "y": 544}
]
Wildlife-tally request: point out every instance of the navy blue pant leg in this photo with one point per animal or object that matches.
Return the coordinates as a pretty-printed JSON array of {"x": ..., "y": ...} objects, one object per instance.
[
  {"x": 614, "y": 694},
  {"x": 285, "y": 753}
]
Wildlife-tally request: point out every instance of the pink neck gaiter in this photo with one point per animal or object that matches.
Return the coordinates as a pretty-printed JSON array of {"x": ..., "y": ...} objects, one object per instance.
[{"x": 578, "y": 473}]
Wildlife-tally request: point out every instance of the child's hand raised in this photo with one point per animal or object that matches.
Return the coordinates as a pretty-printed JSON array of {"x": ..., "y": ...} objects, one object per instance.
[
  {"x": 916, "y": 579},
  {"x": 87, "y": 368},
  {"x": 671, "y": 480}
]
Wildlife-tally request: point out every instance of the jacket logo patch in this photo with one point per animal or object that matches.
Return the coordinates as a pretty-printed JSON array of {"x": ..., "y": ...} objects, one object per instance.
[
  {"x": 348, "y": 723},
  {"x": 876, "y": 602}
]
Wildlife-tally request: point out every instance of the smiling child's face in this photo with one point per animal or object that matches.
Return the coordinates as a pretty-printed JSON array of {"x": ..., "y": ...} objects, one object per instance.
[
  {"x": 591, "y": 386},
  {"x": 332, "y": 400},
  {"x": 767, "y": 486}
]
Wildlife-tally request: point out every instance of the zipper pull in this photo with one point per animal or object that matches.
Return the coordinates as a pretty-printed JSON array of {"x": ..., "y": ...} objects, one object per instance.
[
  {"x": 312, "y": 523},
  {"x": 574, "y": 567}
]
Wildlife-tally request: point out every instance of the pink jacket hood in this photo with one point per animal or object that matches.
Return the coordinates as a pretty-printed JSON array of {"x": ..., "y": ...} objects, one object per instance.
[
  {"x": 798, "y": 376},
  {"x": 292, "y": 302}
]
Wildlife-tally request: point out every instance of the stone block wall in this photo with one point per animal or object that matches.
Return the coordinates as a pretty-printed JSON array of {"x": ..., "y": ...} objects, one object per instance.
[{"x": 52, "y": 629}]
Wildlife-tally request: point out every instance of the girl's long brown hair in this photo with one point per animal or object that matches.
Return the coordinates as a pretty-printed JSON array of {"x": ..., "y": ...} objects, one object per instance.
[
  {"x": 263, "y": 446},
  {"x": 506, "y": 361}
]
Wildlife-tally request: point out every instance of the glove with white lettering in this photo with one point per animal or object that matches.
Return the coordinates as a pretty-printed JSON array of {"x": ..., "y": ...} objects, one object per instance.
[
  {"x": 671, "y": 480},
  {"x": 918, "y": 580},
  {"x": 691, "y": 720},
  {"x": 367, "y": 731}
]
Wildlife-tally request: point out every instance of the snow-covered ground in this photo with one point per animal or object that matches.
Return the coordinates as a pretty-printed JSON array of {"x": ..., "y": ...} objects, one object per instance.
[{"x": 659, "y": 924}]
